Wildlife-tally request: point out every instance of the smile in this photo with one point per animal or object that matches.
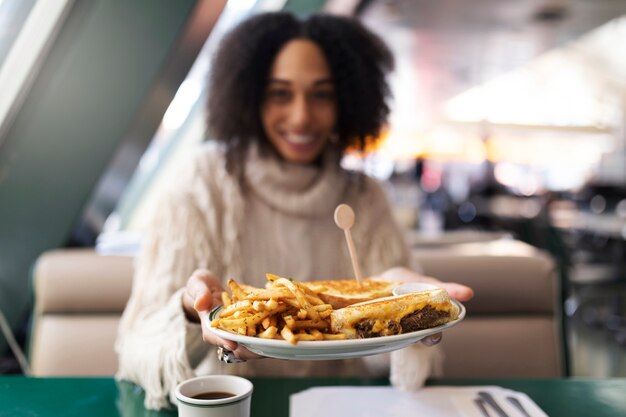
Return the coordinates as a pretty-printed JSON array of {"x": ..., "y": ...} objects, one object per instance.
[{"x": 297, "y": 139}]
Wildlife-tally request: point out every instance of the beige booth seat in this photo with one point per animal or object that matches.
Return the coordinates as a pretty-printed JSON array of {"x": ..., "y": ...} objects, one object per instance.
[
  {"x": 79, "y": 298},
  {"x": 513, "y": 323},
  {"x": 511, "y": 329}
]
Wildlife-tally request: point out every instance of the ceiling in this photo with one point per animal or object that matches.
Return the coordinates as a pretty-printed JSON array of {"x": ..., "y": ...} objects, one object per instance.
[{"x": 444, "y": 47}]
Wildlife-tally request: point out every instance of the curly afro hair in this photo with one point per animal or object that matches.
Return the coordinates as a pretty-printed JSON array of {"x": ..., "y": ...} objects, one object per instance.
[{"x": 359, "y": 62}]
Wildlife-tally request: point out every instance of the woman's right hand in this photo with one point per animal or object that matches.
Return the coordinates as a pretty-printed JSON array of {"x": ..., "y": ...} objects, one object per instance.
[{"x": 202, "y": 293}]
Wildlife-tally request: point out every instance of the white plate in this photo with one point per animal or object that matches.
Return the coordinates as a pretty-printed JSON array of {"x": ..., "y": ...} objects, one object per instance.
[{"x": 330, "y": 349}]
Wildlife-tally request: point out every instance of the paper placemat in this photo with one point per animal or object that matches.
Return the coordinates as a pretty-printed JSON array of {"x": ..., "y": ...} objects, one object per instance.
[{"x": 442, "y": 401}]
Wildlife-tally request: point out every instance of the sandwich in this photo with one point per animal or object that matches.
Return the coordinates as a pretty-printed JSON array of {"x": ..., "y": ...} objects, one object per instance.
[
  {"x": 394, "y": 315},
  {"x": 345, "y": 292}
]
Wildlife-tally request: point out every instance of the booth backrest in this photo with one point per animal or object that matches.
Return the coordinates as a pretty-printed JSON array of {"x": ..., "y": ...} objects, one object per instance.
[
  {"x": 79, "y": 298},
  {"x": 512, "y": 328},
  {"x": 513, "y": 324}
]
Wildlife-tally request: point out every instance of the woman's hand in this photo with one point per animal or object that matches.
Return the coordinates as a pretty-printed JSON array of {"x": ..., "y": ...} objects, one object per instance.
[
  {"x": 457, "y": 291},
  {"x": 202, "y": 293}
]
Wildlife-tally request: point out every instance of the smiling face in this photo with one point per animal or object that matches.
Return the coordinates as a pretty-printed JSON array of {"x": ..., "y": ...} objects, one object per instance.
[{"x": 299, "y": 109}]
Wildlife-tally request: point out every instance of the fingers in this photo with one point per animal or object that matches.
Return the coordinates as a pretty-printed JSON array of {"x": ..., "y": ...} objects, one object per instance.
[
  {"x": 243, "y": 353},
  {"x": 203, "y": 301},
  {"x": 399, "y": 274},
  {"x": 209, "y": 337},
  {"x": 202, "y": 293},
  {"x": 458, "y": 291},
  {"x": 432, "y": 340},
  {"x": 203, "y": 290}
]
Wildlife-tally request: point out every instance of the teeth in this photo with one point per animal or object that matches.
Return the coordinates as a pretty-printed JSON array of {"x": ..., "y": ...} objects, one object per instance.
[{"x": 300, "y": 139}]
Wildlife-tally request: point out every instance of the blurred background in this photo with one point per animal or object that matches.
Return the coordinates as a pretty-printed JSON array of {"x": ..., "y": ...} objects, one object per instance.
[{"x": 508, "y": 122}]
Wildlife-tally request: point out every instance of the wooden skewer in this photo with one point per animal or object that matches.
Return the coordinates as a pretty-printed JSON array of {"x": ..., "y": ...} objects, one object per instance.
[{"x": 344, "y": 219}]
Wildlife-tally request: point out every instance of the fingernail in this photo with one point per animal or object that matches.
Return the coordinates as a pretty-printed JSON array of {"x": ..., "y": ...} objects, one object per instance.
[{"x": 432, "y": 340}]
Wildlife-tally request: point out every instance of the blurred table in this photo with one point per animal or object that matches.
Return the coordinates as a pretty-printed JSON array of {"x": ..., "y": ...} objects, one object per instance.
[
  {"x": 416, "y": 238},
  {"x": 50, "y": 397},
  {"x": 606, "y": 224}
]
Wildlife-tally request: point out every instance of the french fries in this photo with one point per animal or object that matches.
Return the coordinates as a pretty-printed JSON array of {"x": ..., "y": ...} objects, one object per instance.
[{"x": 284, "y": 310}]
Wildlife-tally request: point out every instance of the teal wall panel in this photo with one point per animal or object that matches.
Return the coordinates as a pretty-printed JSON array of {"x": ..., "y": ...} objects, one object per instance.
[
  {"x": 304, "y": 7},
  {"x": 85, "y": 98}
]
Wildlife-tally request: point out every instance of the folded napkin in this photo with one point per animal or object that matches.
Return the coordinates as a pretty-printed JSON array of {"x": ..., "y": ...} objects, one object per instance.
[{"x": 430, "y": 401}]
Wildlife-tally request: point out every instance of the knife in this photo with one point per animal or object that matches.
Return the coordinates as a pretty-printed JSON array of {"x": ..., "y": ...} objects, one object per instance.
[{"x": 492, "y": 402}]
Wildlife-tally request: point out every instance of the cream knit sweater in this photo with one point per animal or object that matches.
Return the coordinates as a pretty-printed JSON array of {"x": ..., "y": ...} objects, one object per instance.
[{"x": 281, "y": 221}]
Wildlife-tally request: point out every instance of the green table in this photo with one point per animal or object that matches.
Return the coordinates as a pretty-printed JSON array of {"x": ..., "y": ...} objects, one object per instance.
[{"x": 50, "y": 397}]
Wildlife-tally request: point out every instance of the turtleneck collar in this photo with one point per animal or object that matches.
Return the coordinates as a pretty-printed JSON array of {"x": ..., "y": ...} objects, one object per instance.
[{"x": 296, "y": 189}]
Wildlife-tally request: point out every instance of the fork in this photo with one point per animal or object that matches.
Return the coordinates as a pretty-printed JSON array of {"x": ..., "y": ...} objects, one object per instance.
[
  {"x": 518, "y": 405},
  {"x": 488, "y": 398},
  {"x": 480, "y": 403}
]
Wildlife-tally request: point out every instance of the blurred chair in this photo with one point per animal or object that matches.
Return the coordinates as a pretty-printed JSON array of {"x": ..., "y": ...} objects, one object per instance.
[
  {"x": 79, "y": 298},
  {"x": 513, "y": 326}
]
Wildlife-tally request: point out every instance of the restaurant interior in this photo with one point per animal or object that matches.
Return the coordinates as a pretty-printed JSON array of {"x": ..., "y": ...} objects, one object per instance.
[{"x": 504, "y": 159}]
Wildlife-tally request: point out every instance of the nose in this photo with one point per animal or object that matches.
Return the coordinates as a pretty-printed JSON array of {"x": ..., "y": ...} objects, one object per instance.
[{"x": 300, "y": 113}]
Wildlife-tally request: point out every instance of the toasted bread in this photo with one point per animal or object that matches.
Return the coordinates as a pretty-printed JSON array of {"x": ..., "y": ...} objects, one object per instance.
[
  {"x": 345, "y": 292},
  {"x": 395, "y": 315}
]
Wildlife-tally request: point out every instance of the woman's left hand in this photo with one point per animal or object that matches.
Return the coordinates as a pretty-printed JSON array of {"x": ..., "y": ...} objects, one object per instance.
[{"x": 457, "y": 291}]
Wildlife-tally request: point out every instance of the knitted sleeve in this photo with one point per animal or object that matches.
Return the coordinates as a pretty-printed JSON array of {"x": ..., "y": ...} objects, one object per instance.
[
  {"x": 155, "y": 340},
  {"x": 193, "y": 227}
]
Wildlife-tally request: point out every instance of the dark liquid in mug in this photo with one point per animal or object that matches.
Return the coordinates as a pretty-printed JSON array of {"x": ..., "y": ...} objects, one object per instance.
[{"x": 213, "y": 395}]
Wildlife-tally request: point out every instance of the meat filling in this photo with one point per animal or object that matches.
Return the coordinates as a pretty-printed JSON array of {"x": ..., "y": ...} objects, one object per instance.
[
  {"x": 422, "y": 319},
  {"x": 365, "y": 329}
]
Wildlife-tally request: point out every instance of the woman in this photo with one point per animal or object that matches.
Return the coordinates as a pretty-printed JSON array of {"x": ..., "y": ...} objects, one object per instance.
[{"x": 287, "y": 98}]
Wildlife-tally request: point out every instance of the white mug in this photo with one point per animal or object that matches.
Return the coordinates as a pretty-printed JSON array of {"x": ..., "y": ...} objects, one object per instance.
[{"x": 236, "y": 404}]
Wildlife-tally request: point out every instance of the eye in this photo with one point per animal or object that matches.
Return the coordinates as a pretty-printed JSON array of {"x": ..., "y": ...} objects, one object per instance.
[
  {"x": 278, "y": 94},
  {"x": 324, "y": 95}
]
